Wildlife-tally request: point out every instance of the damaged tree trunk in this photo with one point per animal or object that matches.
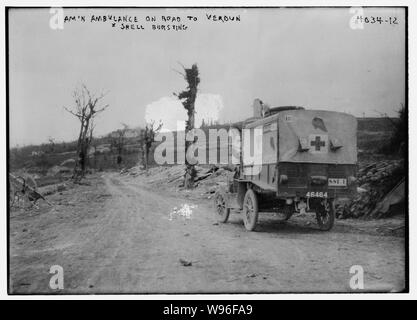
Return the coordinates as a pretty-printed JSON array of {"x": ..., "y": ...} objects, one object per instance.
[
  {"x": 148, "y": 137},
  {"x": 86, "y": 109},
  {"x": 188, "y": 98}
]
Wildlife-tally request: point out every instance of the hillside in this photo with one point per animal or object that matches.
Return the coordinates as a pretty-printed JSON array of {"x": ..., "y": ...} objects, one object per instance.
[{"x": 372, "y": 135}]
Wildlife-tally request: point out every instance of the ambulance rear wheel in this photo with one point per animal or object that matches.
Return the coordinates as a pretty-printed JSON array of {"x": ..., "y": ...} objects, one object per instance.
[
  {"x": 325, "y": 215},
  {"x": 250, "y": 210}
]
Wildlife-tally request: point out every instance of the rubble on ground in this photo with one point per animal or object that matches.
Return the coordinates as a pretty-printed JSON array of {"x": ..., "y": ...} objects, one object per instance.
[
  {"x": 69, "y": 163},
  {"x": 208, "y": 179},
  {"x": 54, "y": 188},
  {"x": 185, "y": 211},
  {"x": 58, "y": 170},
  {"x": 375, "y": 181},
  {"x": 186, "y": 263}
]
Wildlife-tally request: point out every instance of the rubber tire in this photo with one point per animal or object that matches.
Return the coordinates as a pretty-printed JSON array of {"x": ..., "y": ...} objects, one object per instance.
[
  {"x": 221, "y": 215},
  {"x": 330, "y": 222},
  {"x": 250, "y": 225}
]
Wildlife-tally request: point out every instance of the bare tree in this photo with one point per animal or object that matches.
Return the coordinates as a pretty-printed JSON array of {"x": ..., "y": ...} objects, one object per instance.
[
  {"x": 187, "y": 98},
  {"x": 148, "y": 137},
  {"x": 86, "y": 108},
  {"x": 93, "y": 142},
  {"x": 51, "y": 144},
  {"x": 118, "y": 141}
]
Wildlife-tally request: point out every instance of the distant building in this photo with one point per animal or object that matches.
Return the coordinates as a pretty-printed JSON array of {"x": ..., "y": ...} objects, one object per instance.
[{"x": 37, "y": 153}]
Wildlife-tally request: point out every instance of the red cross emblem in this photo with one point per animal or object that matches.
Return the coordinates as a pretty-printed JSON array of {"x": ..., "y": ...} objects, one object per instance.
[{"x": 317, "y": 143}]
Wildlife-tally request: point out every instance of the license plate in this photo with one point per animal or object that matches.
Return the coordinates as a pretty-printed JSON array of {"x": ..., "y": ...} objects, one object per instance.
[
  {"x": 336, "y": 182},
  {"x": 318, "y": 194}
]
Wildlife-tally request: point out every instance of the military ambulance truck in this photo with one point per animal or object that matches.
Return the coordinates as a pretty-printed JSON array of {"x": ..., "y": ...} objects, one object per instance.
[{"x": 308, "y": 162}]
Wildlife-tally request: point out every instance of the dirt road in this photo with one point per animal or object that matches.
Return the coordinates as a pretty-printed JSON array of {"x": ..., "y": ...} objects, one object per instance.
[{"x": 115, "y": 236}]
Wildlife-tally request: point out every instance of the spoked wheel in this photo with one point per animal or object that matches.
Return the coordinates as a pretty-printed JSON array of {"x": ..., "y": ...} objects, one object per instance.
[
  {"x": 222, "y": 212},
  {"x": 325, "y": 215},
  {"x": 250, "y": 210}
]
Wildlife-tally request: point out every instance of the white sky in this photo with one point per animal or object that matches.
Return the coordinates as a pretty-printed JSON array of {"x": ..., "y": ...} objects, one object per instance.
[{"x": 308, "y": 57}]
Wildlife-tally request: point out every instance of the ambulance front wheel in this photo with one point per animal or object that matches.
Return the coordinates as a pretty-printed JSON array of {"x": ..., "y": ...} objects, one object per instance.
[{"x": 222, "y": 211}]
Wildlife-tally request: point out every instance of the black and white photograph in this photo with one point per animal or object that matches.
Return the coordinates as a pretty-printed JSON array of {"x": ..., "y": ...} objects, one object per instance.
[{"x": 207, "y": 150}]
